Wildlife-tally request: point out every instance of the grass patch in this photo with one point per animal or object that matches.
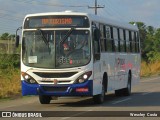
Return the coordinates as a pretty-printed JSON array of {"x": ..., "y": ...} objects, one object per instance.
[
  {"x": 10, "y": 83},
  {"x": 9, "y": 75},
  {"x": 150, "y": 69}
]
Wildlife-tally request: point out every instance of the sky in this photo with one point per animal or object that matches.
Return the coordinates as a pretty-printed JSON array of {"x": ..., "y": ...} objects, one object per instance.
[{"x": 12, "y": 12}]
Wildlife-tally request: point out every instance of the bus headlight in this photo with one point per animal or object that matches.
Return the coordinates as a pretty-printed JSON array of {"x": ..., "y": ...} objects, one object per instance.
[
  {"x": 28, "y": 78},
  {"x": 84, "y": 77}
]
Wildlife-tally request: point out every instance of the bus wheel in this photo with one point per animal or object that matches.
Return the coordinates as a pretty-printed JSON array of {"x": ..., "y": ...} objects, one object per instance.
[
  {"x": 125, "y": 91},
  {"x": 98, "y": 99},
  {"x": 43, "y": 99}
]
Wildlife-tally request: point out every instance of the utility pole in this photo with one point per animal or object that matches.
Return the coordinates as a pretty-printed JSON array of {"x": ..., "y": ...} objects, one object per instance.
[{"x": 96, "y": 7}]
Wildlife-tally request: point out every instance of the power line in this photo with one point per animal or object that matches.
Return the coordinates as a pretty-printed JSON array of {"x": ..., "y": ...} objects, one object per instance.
[
  {"x": 116, "y": 11},
  {"x": 96, "y": 7}
]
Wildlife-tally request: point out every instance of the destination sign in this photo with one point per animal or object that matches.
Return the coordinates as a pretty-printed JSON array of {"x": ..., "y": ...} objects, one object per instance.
[{"x": 56, "y": 22}]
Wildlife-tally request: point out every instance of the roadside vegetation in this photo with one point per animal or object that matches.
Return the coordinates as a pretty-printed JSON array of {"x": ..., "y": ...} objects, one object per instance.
[
  {"x": 10, "y": 84},
  {"x": 150, "y": 49},
  {"x": 150, "y": 69},
  {"x": 9, "y": 75}
]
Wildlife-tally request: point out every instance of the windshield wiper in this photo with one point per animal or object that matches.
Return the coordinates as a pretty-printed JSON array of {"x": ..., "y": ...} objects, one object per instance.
[
  {"x": 44, "y": 38},
  {"x": 67, "y": 35}
]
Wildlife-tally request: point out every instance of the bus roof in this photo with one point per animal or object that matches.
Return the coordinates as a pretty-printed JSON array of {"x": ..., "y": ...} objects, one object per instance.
[{"x": 100, "y": 19}]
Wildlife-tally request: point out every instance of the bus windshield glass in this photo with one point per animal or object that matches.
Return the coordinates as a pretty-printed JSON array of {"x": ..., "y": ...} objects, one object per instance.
[{"x": 49, "y": 49}]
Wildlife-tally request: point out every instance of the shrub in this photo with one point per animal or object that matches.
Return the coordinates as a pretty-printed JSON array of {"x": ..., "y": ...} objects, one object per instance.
[
  {"x": 9, "y": 61},
  {"x": 9, "y": 75}
]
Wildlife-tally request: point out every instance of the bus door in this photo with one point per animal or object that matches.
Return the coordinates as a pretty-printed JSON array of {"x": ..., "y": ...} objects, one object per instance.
[{"x": 97, "y": 81}]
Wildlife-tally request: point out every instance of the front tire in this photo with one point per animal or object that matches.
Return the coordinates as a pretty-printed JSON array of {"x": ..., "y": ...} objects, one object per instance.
[
  {"x": 98, "y": 99},
  {"x": 44, "y": 99}
]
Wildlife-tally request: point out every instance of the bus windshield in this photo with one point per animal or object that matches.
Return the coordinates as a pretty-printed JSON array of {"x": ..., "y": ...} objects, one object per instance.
[{"x": 48, "y": 48}]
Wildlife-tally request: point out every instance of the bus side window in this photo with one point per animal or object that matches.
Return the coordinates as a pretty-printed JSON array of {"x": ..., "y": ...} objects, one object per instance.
[
  {"x": 109, "y": 41},
  {"x": 102, "y": 37},
  {"x": 116, "y": 40},
  {"x": 125, "y": 45},
  {"x": 122, "y": 40},
  {"x": 133, "y": 42},
  {"x": 130, "y": 41},
  {"x": 138, "y": 42},
  {"x": 96, "y": 43},
  {"x": 127, "y": 41}
]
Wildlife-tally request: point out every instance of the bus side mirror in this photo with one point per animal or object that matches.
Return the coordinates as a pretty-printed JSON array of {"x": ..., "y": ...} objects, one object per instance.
[
  {"x": 17, "y": 41},
  {"x": 97, "y": 34},
  {"x": 17, "y": 37}
]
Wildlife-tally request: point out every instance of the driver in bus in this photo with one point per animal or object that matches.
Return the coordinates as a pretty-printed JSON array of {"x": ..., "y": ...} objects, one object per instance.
[
  {"x": 68, "y": 46},
  {"x": 65, "y": 49}
]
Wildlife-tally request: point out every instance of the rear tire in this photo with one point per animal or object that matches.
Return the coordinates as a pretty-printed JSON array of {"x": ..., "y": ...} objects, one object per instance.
[
  {"x": 98, "y": 99},
  {"x": 125, "y": 91},
  {"x": 44, "y": 99}
]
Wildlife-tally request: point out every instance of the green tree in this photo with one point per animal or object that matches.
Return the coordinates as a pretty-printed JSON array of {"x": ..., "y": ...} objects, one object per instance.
[
  {"x": 149, "y": 41},
  {"x": 4, "y": 36},
  {"x": 150, "y": 30},
  {"x": 11, "y": 37},
  {"x": 154, "y": 53}
]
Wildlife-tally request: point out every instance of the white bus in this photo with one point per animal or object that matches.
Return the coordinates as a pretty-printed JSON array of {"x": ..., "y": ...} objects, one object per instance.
[{"x": 78, "y": 54}]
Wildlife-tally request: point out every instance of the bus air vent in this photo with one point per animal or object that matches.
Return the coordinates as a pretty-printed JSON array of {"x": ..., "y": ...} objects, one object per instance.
[{"x": 55, "y": 75}]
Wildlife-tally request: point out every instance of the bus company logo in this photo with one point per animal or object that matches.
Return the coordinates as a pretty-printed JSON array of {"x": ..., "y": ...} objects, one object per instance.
[
  {"x": 6, "y": 114},
  {"x": 55, "y": 81}
]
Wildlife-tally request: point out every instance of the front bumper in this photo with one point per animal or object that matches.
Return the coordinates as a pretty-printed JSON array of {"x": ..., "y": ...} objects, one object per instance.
[{"x": 57, "y": 90}]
